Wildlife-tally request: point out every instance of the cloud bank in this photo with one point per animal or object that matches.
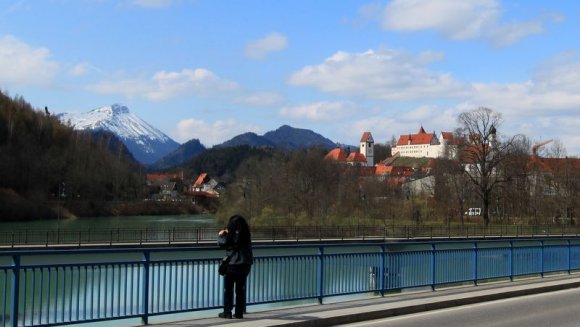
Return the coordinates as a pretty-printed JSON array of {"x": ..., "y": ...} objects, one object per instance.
[
  {"x": 455, "y": 20},
  {"x": 387, "y": 74},
  {"x": 165, "y": 85},
  {"x": 22, "y": 64}
]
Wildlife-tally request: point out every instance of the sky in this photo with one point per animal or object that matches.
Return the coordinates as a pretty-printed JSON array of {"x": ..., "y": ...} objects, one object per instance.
[{"x": 213, "y": 69}]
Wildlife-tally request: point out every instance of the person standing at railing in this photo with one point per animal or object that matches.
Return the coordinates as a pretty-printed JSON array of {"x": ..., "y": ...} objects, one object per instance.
[{"x": 237, "y": 240}]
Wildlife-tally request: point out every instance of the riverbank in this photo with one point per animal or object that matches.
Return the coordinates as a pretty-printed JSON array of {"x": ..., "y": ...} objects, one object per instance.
[{"x": 17, "y": 208}]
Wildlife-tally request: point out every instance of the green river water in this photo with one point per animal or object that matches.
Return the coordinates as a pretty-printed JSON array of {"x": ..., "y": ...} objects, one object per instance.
[{"x": 124, "y": 222}]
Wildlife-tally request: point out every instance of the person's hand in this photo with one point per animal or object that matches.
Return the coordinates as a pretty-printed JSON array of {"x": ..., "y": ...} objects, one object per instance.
[{"x": 223, "y": 232}]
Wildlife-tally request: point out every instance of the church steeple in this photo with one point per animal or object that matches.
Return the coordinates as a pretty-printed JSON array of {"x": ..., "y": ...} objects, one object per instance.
[{"x": 367, "y": 145}]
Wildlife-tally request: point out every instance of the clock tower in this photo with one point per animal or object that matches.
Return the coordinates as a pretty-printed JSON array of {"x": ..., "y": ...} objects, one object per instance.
[{"x": 367, "y": 145}]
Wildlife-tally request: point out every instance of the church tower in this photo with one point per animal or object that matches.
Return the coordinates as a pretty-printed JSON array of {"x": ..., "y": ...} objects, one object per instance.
[{"x": 367, "y": 145}]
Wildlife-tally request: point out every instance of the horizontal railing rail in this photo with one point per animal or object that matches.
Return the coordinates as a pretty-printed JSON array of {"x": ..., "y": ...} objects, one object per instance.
[
  {"x": 71, "y": 286},
  {"x": 197, "y": 235}
]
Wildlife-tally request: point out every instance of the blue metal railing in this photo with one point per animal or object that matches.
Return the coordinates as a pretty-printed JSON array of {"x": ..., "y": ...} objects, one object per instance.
[{"x": 41, "y": 288}]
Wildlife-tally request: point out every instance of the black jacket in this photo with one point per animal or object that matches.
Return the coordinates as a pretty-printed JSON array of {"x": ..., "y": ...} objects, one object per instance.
[{"x": 240, "y": 253}]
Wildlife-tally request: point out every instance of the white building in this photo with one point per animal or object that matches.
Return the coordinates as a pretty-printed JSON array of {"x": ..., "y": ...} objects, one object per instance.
[{"x": 425, "y": 145}]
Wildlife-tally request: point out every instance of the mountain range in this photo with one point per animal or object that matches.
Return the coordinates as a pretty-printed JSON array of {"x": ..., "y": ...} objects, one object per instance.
[
  {"x": 155, "y": 149},
  {"x": 145, "y": 142}
]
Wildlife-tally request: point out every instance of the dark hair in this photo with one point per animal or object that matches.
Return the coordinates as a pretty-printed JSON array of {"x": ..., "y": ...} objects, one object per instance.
[{"x": 239, "y": 224}]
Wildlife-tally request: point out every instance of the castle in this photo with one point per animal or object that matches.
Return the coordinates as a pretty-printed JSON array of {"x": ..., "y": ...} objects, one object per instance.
[
  {"x": 425, "y": 145},
  {"x": 419, "y": 145}
]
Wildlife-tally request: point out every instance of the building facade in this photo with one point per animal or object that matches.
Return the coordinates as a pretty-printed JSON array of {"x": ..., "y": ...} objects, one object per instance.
[{"x": 425, "y": 145}]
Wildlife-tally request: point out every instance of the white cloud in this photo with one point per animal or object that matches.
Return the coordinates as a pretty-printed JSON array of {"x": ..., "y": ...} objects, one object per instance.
[
  {"x": 164, "y": 85},
  {"x": 198, "y": 81},
  {"x": 387, "y": 74},
  {"x": 261, "y": 99},
  {"x": 211, "y": 133},
  {"x": 319, "y": 111},
  {"x": 259, "y": 49},
  {"x": 552, "y": 90},
  {"x": 151, "y": 3},
  {"x": 457, "y": 20},
  {"x": 21, "y": 64},
  {"x": 79, "y": 69},
  {"x": 506, "y": 34}
]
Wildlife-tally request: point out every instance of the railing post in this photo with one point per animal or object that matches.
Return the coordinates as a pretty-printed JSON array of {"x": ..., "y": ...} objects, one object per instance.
[
  {"x": 511, "y": 258},
  {"x": 15, "y": 290},
  {"x": 542, "y": 256},
  {"x": 320, "y": 274},
  {"x": 382, "y": 273},
  {"x": 569, "y": 256},
  {"x": 475, "y": 263},
  {"x": 145, "y": 286},
  {"x": 433, "y": 261}
]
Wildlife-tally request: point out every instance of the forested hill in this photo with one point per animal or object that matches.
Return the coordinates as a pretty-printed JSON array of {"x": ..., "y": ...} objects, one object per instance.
[{"x": 44, "y": 164}]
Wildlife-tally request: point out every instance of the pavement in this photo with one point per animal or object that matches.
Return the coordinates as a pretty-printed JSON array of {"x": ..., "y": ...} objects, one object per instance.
[{"x": 389, "y": 305}]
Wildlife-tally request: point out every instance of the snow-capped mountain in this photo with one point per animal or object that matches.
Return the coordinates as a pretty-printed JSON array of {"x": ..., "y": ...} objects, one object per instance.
[{"x": 146, "y": 143}]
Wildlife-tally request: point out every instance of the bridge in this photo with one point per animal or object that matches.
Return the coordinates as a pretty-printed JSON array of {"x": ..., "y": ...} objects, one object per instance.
[
  {"x": 48, "y": 287},
  {"x": 199, "y": 235}
]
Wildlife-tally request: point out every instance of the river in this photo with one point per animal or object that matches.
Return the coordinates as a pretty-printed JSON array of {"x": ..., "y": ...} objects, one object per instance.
[{"x": 123, "y": 222}]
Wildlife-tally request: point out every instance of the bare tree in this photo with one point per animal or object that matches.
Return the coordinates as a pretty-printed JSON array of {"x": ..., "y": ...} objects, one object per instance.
[
  {"x": 483, "y": 152},
  {"x": 556, "y": 149}
]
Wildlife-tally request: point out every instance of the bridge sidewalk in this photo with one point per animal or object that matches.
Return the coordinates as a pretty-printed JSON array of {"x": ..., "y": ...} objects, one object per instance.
[{"x": 392, "y": 305}]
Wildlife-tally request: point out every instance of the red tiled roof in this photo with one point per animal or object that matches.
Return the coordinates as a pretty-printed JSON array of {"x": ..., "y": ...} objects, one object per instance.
[
  {"x": 356, "y": 157},
  {"x": 555, "y": 166},
  {"x": 366, "y": 137},
  {"x": 337, "y": 154},
  {"x": 199, "y": 180},
  {"x": 447, "y": 135},
  {"x": 414, "y": 139},
  {"x": 383, "y": 170},
  {"x": 451, "y": 138}
]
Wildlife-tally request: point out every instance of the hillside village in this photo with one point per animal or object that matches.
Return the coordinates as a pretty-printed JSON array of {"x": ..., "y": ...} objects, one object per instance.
[{"x": 409, "y": 168}]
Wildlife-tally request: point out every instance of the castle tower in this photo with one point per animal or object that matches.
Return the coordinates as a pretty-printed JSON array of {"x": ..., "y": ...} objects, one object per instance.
[{"x": 367, "y": 145}]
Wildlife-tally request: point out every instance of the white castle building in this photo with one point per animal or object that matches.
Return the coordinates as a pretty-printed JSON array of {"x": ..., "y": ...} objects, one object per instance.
[{"x": 425, "y": 145}]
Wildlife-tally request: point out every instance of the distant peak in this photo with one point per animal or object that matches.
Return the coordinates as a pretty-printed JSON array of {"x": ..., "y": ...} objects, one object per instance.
[
  {"x": 119, "y": 109},
  {"x": 114, "y": 109}
]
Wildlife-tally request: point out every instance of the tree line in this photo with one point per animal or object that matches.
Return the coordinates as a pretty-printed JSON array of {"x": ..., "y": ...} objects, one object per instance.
[
  {"x": 488, "y": 169},
  {"x": 46, "y": 166}
]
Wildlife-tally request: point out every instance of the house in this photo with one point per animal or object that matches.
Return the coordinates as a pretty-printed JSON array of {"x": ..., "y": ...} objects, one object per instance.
[
  {"x": 550, "y": 176},
  {"x": 204, "y": 186},
  {"x": 357, "y": 159},
  {"x": 427, "y": 145},
  {"x": 336, "y": 154},
  {"x": 163, "y": 187}
]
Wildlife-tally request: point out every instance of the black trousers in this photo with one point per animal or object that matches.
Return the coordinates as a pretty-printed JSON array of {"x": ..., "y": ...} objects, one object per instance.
[{"x": 235, "y": 276}]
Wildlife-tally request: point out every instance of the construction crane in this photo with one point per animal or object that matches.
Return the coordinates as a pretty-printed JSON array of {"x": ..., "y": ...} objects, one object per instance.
[{"x": 539, "y": 145}]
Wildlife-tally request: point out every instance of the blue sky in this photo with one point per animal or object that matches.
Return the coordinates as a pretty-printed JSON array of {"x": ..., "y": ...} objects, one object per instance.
[{"x": 215, "y": 69}]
